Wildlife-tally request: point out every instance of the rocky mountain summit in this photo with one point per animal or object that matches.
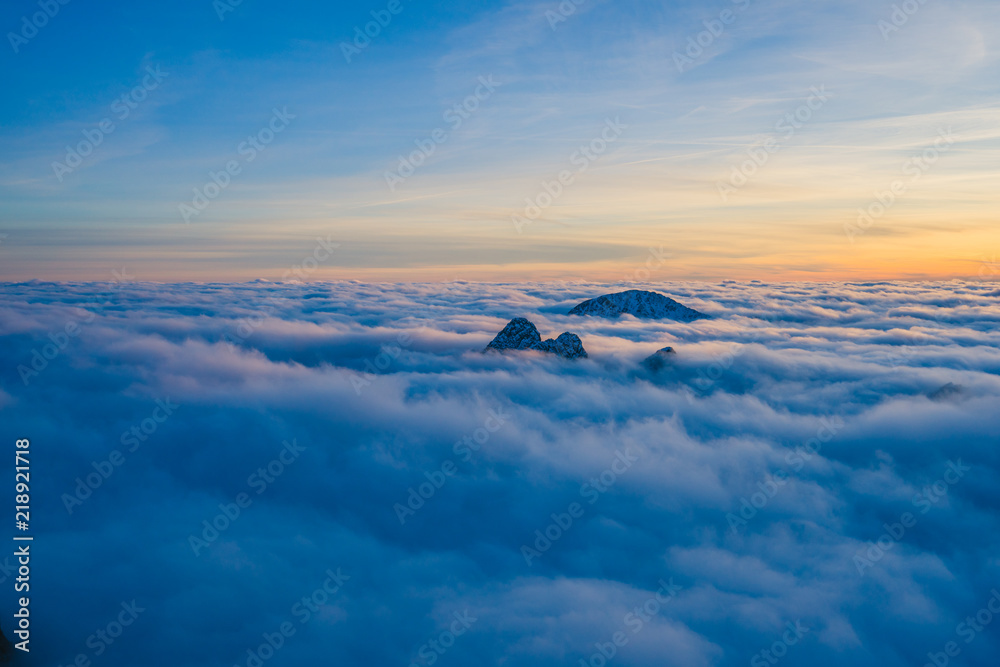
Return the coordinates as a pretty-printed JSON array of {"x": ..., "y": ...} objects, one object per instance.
[
  {"x": 948, "y": 392},
  {"x": 521, "y": 334},
  {"x": 639, "y": 303},
  {"x": 659, "y": 360}
]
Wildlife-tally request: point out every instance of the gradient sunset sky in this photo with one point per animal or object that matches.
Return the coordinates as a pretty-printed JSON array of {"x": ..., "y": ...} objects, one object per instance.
[{"x": 892, "y": 85}]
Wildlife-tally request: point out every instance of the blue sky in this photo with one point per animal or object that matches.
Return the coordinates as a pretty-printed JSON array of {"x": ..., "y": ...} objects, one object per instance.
[{"x": 888, "y": 96}]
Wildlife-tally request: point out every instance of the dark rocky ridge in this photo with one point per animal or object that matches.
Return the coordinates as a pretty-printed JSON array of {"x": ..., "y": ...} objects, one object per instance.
[
  {"x": 659, "y": 360},
  {"x": 948, "y": 392},
  {"x": 521, "y": 334}
]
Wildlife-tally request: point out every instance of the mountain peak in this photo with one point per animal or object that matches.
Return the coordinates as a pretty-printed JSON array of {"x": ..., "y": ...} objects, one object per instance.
[
  {"x": 659, "y": 360},
  {"x": 638, "y": 303},
  {"x": 521, "y": 334},
  {"x": 566, "y": 345}
]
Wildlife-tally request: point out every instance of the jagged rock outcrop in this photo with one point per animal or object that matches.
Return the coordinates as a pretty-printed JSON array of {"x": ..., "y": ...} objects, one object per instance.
[
  {"x": 639, "y": 303},
  {"x": 947, "y": 392},
  {"x": 566, "y": 345},
  {"x": 659, "y": 360},
  {"x": 521, "y": 334}
]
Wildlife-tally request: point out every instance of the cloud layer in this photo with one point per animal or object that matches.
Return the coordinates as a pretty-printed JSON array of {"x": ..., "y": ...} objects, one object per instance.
[{"x": 368, "y": 458}]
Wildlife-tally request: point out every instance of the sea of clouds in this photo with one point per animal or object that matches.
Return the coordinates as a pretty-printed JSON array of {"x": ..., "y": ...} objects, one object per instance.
[{"x": 813, "y": 475}]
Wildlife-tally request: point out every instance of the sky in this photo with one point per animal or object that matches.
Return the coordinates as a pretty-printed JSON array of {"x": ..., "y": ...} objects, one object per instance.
[
  {"x": 727, "y": 140},
  {"x": 760, "y": 481}
]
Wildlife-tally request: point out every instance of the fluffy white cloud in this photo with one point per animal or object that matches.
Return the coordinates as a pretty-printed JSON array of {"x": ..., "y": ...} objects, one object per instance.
[{"x": 793, "y": 429}]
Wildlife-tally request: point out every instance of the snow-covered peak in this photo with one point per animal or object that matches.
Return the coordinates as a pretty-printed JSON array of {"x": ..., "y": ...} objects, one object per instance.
[{"x": 639, "y": 303}]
